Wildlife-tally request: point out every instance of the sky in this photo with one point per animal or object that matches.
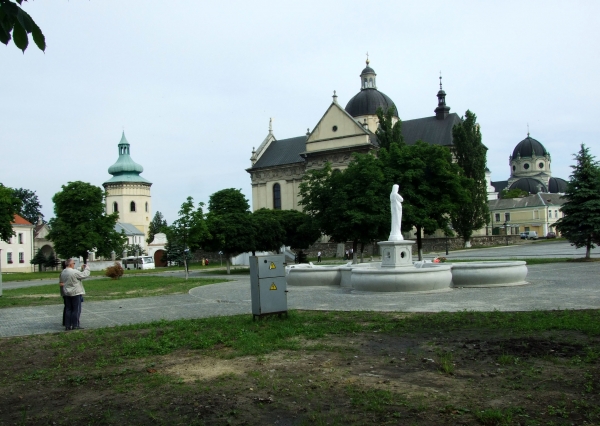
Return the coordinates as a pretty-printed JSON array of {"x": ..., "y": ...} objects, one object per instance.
[{"x": 193, "y": 84}]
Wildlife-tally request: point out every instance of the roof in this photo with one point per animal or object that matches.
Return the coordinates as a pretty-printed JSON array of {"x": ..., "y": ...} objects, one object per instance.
[
  {"x": 19, "y": 220},
  {"x": 530, "y": 185},
  {"x": 499, "y": 185},
  {"x": 528, "y": 147},
  {"x": 367, "y": 101},
  {"x": 556, "y": 185},
  {"x": 368, "y": 70},
  {"x": 430, "y": 129},
  {"x": 125, "y": 169},
  {"x": 540, "y": 199},
  {"x": 280, "y": 152},
  {"x": 127, "y": 228}
]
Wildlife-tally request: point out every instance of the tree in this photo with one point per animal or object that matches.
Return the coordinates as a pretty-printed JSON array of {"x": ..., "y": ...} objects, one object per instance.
[
  {"x": 389, "y": 133},
  {"x": 229, "y": 224},
  {"x": 300, "y": 229},
  {"x": 39, "y": 259},
  {"x": 513, "y": 193},
  {"x": 429, "y": 183},
  {"x": 189, "y": 231},
  {"x": 268, "y": 232},
  {"x": 16, "y": 24},
  {"x": 176, "y": 251},
  {"x": 157, "y": 225},
  {"x": 470, "y": 154},
  {"x": 581, "y": 221},
  {"x": 132, "y": 249},
  {"x": 81, "y": 222},
  {"x": 30, "y": 207},
  {"x": 9, "y": 207},
  {"x": 52, "y": 261}
]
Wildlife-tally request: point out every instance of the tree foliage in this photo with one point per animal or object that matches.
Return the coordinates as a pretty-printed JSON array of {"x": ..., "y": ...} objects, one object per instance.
[
  {"x": 581, "y": 221},
  {"x": 16, "y": 24},
  {"x": 31, "y": 209},
  {"x": 301, "y": 230},
  {"x": 81, "y": 223},
  {"x": 268, "y": 231},
  {"x": 388, "y": 131},
  {"x": 470, "y": 154},
  {"x": 157, "y": 225},
  {"x": 9, "y": 207},
  {"x": 229, "y": 223},
  {"x": 190, "y": 227},
  {"x": 131, "y": 250},
  {"x": 39, "y": 259},
  {"x": 513, "y": 193}
]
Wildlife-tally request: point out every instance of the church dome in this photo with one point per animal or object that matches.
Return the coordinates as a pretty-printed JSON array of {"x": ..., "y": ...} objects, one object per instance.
[
  {"x": 369, "y": 98},
  {"x": 367, "y": 101},
  {"x": 529, "y": 147},
  {"x": 557, "y": 186},
  {"x": 125, "y": 169},
  {"x": 533, "y": 186}
]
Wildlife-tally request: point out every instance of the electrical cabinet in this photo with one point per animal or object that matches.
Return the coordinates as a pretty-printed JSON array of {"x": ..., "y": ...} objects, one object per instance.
[{"x": 268, "y": 285}]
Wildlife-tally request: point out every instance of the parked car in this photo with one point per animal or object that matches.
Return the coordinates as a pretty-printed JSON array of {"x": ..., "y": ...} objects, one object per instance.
[
  {"x": 523, "y": 235},
  {"x": 531, "y": 235},
  {"x": 551, "y": 235}
]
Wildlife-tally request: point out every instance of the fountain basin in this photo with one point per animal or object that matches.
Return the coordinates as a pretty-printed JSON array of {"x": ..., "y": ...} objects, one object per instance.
[
  {"x": 407, "y": 278},
  {"x": 318, "y": 276},
  {"x": 489, "y": 274}
]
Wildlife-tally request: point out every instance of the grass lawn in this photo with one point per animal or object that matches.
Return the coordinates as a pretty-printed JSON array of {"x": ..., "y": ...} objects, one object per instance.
[
  {"x": 312, "y": 368},
  {"x": 104, "y": 289}
]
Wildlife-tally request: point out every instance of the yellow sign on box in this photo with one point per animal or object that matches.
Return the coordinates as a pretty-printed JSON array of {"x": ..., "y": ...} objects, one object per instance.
[
  {"x": 272, "y": 266},
  {"x": 273, "y": 287}
]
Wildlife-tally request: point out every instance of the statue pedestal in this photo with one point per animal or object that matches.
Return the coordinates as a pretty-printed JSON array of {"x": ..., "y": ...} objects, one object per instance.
[{"x": 396, "y": 254}]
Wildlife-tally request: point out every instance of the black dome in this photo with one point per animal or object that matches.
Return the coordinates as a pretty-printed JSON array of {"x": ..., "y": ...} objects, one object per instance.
[
  {"x": 367, "y": 101},
  {"x": 533, "y": 186},
  {"x": 368, "y": 70},
  {"x": 557, "y": 186},
  {"x": 527, "y": 147}
]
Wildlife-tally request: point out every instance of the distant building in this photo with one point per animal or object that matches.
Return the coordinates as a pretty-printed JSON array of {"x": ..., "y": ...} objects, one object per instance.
[
  {"x": 17, "y": 252},
  {"x": 40, "y": 242},
  {"x": 128, "y": 193}
]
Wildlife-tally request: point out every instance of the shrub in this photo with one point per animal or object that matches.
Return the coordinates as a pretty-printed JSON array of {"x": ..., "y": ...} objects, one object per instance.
[{"x": 115, "y": 272}]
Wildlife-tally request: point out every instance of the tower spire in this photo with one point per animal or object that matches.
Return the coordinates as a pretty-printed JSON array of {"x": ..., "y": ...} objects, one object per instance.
[{"x": 442, "y": 109}]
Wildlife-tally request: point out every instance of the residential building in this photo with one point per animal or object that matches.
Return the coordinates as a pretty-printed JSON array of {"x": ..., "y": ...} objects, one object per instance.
[{"x": 17, "y": 252}]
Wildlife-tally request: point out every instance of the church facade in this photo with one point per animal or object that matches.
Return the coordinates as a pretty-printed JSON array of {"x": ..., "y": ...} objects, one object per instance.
[
  {"x": 278, "y": 165},
  {"x": 128, "y": 194}
]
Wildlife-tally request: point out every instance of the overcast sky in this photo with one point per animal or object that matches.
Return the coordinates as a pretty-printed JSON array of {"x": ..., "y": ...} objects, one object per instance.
[{"x": 193, "y": 83}]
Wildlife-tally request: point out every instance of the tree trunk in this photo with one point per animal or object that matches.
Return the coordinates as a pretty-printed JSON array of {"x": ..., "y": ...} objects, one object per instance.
[
  {"x": 588, "y": 248},
  {"x": 362, "y": 250},
  {"x": 419, "y": 243},
  {"x": 227, "y": 261},
  {"x": 354, "y": 251}
]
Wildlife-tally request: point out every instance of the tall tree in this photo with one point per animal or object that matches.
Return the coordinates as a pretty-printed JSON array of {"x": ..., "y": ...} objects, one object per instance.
[
  {"x": 268, "y": 232},
  {"x": 429, "y": 183},
  {"x": 581, "y": 221},
  {"x": 301, "y": 230},
  {"x": 229, "y": 224},
  {"x": 16, "y": 24},
  {"x": 31, "y": 209},
  {"x": 470, "y": 154},
  {"x": 388, "y": 131},
  {"x": 9, "y": 207},
  {"x": 157, "y": 225},
  {"x": 39, "y": 259},
  {"x": 81, "y": 223}
]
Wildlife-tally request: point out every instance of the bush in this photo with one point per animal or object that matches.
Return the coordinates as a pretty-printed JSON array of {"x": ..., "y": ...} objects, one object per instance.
[{"x": 115, "y": 272}]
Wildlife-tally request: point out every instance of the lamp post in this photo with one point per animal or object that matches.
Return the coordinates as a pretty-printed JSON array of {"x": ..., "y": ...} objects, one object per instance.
[
  {"x": 506, "y": 230},
  {"x": 185, "y": 252}
]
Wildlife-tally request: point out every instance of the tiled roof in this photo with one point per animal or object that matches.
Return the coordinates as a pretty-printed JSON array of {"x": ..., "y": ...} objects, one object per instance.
[
  {"x": 430, "y": 130},
  {"x": 284, "y": 151},
  {"x": 128, "y": 228},
  {"x": 18, "y": 220},
  {"x": 540, "y": 199}
]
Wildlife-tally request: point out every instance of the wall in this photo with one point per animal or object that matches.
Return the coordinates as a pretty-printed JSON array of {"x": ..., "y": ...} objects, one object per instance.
[
  {"x": 26, "y": 247},
  {"x": 124, "y": 194}
]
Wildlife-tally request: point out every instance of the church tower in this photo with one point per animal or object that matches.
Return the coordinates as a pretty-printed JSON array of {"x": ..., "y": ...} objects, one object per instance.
[{"x": 127, "y": 192}]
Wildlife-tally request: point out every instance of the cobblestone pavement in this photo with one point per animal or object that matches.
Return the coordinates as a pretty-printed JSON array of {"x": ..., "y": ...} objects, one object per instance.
[{"x": 552, "y": 286}]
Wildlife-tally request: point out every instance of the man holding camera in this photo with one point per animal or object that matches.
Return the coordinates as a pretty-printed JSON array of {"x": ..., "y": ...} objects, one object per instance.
[{"x": 72, "y": 288}]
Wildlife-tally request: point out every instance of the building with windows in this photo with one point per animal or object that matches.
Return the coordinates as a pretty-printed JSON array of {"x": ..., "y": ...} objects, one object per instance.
[
  {"x": 278, "y": 165},
  {"x": 128, "y": 194},
  {"x": 17, "y": 252}
]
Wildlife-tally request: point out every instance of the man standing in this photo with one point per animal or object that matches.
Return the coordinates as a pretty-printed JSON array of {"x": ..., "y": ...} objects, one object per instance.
[
  {"x": 70, "y": 280},
  {"x": 319, "y": 257}
]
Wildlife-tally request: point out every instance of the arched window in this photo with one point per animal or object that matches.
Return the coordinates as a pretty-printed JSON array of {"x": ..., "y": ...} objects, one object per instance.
[
  {"x": 132, "y": 206},
  {"x": 115, "y": 207},
  {"x": 276, "y": 197},
  {"x": 146, "y": 206}
]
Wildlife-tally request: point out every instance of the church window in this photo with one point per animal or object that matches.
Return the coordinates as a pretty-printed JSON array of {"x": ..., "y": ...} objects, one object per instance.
[
  {"x": 526, "y": 166},
  {"x": 334, "y": 128},
  {"x": 276, "y": 197},
  {"x": 146, "y": 207},
  {"x": 541, "y": 165},
  {"x": 370, "y": 82},
  {"x": 115, "y": 207},
  {"x": 132, "y": 206},
  {"x": 365, "y": 83},
  {"x": 514, "y": 168},
  {"x": 507, "y": 217},
  {"x": 497, "y": 217}
]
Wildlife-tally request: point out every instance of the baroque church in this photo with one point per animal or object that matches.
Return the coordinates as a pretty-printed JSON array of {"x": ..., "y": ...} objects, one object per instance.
[
  {"x": 278, "y": 165},
  {"x": 128, "y": 194}
]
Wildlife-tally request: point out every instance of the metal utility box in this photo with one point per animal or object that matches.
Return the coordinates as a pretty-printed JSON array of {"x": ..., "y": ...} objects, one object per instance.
[{"x": 268, "y": 285}]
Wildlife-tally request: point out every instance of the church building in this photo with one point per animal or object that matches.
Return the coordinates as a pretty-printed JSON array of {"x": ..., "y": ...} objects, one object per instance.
[
  {"x": 278, "y": 165},
  {"x": 128, "y": 194}
]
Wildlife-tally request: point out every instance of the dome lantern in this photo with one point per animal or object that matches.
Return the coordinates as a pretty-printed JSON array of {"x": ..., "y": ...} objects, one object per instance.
[
  {"x": 442, "y": 109},
  {"x": 125, "y": 169},
  {"x": 367, "y": 77}
]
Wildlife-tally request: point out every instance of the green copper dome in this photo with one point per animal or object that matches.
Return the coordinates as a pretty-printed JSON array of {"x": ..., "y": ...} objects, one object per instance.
[{"x": 125, "y": 169}]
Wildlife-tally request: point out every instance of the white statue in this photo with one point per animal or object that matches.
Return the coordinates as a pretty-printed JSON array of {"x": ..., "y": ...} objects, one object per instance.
[{"x": 396, "y": 207}]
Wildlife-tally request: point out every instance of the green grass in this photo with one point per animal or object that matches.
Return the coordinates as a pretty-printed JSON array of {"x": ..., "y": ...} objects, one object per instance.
[{"x": 104, "y": 289}]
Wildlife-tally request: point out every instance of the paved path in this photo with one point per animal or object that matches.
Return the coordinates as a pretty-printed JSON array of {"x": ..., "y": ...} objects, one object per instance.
[
  {"x": 553, "y": 286},
  {"x": 537, "y": 249}
]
